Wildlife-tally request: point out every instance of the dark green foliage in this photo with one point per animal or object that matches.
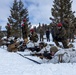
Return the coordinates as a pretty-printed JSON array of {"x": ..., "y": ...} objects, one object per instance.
[
  {"x": 62, "y": 12},
  {"x": 62, "y": 9},
  {"x": 18, "y": 13}
]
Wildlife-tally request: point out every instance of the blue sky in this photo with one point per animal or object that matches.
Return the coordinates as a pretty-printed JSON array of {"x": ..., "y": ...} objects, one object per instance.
[{"x": 39, "y": 11}]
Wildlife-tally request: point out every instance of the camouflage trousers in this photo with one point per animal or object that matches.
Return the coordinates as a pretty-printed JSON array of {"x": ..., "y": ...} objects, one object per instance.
[
  {"x": 64, "y": 42},
  {"x": 41, "y": 38}
]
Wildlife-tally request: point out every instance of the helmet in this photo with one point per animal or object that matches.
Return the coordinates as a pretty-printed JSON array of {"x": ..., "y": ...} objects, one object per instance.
[{"x": 59, "y": 24}]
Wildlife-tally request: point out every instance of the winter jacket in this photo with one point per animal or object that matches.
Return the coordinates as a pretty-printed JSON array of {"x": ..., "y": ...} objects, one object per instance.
[
  {"x": 47, "y": 33},
  {"x": 41, "y": 31},
  {"x": 34, "y": 37},
  {"x": 60, "y": 34}
]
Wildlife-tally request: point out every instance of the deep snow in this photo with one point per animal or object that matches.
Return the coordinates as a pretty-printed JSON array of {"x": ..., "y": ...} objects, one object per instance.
[{"x": 13, "y": 64}]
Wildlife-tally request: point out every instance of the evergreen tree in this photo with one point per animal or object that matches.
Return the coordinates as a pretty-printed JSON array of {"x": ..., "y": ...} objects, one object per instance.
[
  {"x": 23, "y": 15},
  {"x": 62, "y": 12},
  {"x": 8, "y": 27},
  {"x": 13, "y": 19},
  {"x": 18, "y": 13},
  {"x": 61, "y": 9},
  {"x": 1, "y": 35},
  {"x": 74, "y": 22}
]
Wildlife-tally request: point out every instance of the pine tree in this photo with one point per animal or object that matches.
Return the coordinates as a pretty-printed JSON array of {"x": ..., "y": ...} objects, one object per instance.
[
  {"x": 13, "y": 19},
  {"x": 18, "y": 13},
  {"x": 62, "y": 12},
  {"x": 8, "y": 27},
  {"x": 61, "y": 9},
  {"x": 23, "y": 16},
  {"x": 1, "y": 35}
]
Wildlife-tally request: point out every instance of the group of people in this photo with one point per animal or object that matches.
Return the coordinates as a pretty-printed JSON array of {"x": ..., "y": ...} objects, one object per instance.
[
  {"x": 47, "y": 33},
  {"x": 59, "y": 34}
]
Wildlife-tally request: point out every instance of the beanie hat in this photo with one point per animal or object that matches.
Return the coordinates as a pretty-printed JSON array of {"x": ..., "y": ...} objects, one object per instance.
[
  {"x": 59, "y": 24},
  {"x": 24, "y": 20},
  {"x": 31, "y": 30},
  {"x": 22, "y": 25}
]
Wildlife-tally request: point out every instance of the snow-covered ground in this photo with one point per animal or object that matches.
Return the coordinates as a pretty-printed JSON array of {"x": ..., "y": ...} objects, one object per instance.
[{"x": 14, "y": 64}]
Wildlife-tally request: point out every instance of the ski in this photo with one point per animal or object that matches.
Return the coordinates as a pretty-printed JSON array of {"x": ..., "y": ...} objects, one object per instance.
[{"x": 29, "y": 58}]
